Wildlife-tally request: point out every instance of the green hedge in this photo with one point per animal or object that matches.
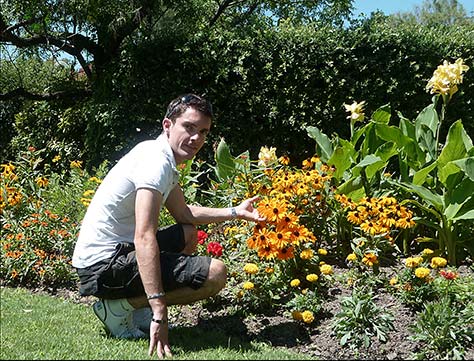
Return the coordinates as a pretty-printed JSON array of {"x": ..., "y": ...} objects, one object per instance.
[{"x": 267, "y": 84}]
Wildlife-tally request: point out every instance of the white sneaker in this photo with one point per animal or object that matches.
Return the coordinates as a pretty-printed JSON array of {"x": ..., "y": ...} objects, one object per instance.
[{"x": 120, "y": 326}]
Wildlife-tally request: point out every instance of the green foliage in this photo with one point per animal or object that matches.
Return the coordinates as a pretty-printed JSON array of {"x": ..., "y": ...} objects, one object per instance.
[
  {"x": 361, "y": 319},
  {"x": 444, "y": 330},
  {"x": 280, "y": 77}
]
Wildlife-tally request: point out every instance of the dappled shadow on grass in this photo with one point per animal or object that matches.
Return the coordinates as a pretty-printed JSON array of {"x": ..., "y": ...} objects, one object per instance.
[{"x": 232, "y": 333}]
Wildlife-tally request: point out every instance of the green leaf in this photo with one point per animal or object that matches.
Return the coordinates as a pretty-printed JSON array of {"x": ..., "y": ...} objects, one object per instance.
[
  {"x": 425, "y": 194},
  {"x": 467, "y": 166},
  {"x": 455, "y": 147},
  {"x": 345, "y": 338},
  {"x": 426, "y": 125},
  {"x": 407, "y": 127},
  {"x": 461, "y": 202},
  {"x": 428, "y": 117},
  {"x": 324, "y": 146},
  {"x": 409, "y": 145},
  {"x": 384, "y": 152},
  {"x": 382, "y": 114},
  {"x": 342, "y": 158},
  {"x": 420, "y": 177},
  {"x": 368, "y": 160},
  {"x": 450, "y": 175},
  {"x": 225, "y": 162},
  {"x": 353, "y": 188}
]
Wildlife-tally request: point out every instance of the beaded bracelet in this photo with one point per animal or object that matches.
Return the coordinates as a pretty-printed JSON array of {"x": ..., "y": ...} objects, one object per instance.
[{"x": 156, "y": 295}]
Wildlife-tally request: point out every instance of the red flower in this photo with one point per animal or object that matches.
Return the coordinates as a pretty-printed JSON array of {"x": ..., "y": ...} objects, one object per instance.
[
  {"x": 214, "y": 248},
  {"x": 449, "y": 275},
  {"x": 202, "y": 236}
]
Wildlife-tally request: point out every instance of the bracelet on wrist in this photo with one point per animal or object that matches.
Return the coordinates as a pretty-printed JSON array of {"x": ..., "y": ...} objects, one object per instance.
[
  {"x": 156, "y": 295},
  {"x": 233, "y": 212}
]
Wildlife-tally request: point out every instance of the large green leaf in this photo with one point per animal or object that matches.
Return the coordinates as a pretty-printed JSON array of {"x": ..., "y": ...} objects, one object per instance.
[
  {"x": 353, "y": 188},
  {"x": 372, "y": 160},
  {"x": 428, "y": 117},
  {"x": 466, "y": 165},
  {"x": 466, "y": 211},
  {"x": 384, "y": 152},
  {"x": 406, "y": 126},
  {"x": 409, "y": 145},
  {"x": 342, "y": 158},
  {"x": 460, "y": 201},
  {"x": 382, "y": 114},
  {"x": 324, "y": 146},
  {"x": 432, "y": 198},
  {"x": 455, "y": 147},
  {"x": 225, "y": 167},
  {"x": 426, "y": 125},
  {"x": 420, "y": 176}
]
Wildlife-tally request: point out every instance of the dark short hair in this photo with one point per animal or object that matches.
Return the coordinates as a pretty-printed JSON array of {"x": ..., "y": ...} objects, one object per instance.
[{"x": 179, "y": 105}]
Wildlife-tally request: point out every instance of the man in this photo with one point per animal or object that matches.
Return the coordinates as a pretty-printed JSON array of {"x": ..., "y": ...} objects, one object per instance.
[{"x": 122, "y": 258}]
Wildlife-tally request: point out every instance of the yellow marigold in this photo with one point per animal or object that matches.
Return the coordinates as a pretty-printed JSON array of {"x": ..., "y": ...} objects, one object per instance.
[
  {"x": 438, "y": 262},
  {"x": 422, "y": 272},
  {"x": 412, "y": 262},
  {"x": 306, "y": 254},
  {"x": 248, "y": 286},
  {"x": 393, "y": 281},
  {"x": 85, "y": 201},
  {"x": 307, "y": 316},
  {"x": 351, "y": 257},
  {"x": 251, "y": 268},
  {"x": 95, "y": 179},
  {"x": 295, "y": 282},
  {"x": 326, "y": 269},
  {"x": 297, "y": 315},
  {"x": 269, "y": 270},
  {"x": 88, "y": 193},
  {"x": 322, "y": 252},
  {"x": 56, "y": 159},
  {"x": 312, "y": 277},
  {"x": 427, "y": 251}
]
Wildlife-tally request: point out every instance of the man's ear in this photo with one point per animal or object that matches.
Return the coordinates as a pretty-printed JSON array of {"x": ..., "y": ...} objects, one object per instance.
[{"x": 167, "y": 125}]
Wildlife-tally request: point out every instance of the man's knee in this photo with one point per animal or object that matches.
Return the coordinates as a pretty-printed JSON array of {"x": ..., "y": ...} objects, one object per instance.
[{"x": 217, "y": 275}]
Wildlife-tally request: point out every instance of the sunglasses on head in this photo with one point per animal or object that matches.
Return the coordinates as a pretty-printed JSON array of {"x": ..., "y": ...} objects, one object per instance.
[{"x": 190, "y": 100}]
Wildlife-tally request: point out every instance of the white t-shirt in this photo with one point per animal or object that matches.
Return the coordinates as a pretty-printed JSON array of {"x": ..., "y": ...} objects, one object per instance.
[{"x": 110, "y": 217}]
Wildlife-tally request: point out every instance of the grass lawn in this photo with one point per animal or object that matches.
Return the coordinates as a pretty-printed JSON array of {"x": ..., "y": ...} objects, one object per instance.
[{"x": 39, "y": 326}]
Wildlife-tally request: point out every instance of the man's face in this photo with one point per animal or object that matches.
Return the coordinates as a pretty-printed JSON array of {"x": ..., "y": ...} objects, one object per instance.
[{"x": 187, "y": 134}]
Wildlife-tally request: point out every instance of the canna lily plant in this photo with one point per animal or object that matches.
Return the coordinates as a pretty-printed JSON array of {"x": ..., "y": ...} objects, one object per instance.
[{"x": 438, "y": 177}]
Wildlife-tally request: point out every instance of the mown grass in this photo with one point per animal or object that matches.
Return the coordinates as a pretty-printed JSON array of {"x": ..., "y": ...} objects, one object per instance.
[{"x": 43, "y": 327}]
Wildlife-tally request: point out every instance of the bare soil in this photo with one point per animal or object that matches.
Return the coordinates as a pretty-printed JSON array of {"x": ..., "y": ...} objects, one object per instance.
[{"x": 316, "y": 340}]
